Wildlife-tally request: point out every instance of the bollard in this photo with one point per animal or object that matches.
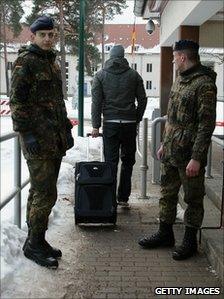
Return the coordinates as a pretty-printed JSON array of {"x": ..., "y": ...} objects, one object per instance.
[{"x": 144, "y": 166}]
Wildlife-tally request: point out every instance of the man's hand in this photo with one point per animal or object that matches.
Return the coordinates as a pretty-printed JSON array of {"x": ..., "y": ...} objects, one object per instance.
[
  {"x": 70, "y": 140},
  {"x": 31, "y": 144},
  {"x": 160, "y": 152},
  {"x": 95, "y": 133},
  {"x": 193, "y": 168}
]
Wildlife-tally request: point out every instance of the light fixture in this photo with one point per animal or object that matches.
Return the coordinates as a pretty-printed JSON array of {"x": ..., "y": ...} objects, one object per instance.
[{"x": 150, "y": 26}]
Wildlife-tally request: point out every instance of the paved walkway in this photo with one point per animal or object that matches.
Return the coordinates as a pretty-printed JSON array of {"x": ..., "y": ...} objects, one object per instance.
[
  {"x": 107, "y": 262},
  {"x": 116, "y": 267},
  {"x": 121, "y": 269}
]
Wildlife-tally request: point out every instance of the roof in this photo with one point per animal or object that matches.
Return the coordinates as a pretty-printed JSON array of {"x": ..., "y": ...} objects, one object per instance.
[
  {"x": 22, "y": 38},
  {"x": 122, "y": 34},
  {"x": 114, "y": 34}
]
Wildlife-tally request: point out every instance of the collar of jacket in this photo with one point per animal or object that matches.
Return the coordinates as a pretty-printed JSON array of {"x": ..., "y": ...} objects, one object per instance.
[
  {"x": 197, "y": 71},
  {"x": 50, "y": 55}
]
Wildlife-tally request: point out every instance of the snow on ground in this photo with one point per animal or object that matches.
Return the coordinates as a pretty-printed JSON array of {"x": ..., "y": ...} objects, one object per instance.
[{"x": 12, "y": 238}]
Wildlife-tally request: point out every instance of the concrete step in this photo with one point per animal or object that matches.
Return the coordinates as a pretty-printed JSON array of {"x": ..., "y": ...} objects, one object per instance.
[{"x": 212, "y": 235}]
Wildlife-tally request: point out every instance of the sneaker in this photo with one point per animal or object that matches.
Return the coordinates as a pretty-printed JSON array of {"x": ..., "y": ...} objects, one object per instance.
[{"x": 123, "y": 204}]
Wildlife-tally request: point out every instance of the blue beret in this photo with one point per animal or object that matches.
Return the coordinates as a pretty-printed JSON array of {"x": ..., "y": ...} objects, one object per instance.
[
  {"x": 185, "y": 44},
  {"x": 42, "y": 23}
]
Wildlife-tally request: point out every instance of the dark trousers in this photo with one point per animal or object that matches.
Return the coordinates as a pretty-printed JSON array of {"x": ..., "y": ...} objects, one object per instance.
[
  {"x": 120, "y": 141},
  {"x": 43, "y": 192}
]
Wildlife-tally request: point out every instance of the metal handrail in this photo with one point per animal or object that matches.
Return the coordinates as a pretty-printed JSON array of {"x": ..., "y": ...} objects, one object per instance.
[
  {"x": 18, "y": 186},
  {"x": 155, "y": 122}
]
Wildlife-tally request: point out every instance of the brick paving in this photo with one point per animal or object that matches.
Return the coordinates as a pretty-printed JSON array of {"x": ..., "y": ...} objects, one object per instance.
[{"x": 121, "y": 269}]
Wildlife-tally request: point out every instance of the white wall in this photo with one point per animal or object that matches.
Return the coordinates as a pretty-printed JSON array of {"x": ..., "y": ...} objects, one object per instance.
[
  {"x": 140, "y": 59},
  {"x": 189, "y": 13}
]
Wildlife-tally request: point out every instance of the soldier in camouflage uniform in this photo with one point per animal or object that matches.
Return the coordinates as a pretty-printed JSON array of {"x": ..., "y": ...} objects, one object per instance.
[
  {"x": 187, "y": 136},
  {"x": 40, "y": 117}
]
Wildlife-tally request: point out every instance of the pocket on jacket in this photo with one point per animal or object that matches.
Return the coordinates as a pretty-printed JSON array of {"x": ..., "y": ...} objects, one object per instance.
[{"x": 44, "y": 86}]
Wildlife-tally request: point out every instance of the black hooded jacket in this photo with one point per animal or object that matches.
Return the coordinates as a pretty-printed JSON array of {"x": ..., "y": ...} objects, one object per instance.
[{"x": 115, "y": 90}]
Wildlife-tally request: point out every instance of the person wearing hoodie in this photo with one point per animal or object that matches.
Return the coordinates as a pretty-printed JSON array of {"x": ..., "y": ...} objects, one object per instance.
[
  {"x": 115, "y": 90},
  {"x": 187, "y": 136},
  {"x": 39, "y": 116}
]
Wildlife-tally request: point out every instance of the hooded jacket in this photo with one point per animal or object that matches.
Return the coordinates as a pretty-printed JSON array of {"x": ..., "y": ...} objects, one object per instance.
[
  {"x": 191, "y": 116},
  {"x": 36, "y": 102},
  {"x": 115, "y": 89}
]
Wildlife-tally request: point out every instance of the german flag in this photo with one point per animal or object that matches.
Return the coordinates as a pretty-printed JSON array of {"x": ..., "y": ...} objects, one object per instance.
[{"x": 133, "y": 38}]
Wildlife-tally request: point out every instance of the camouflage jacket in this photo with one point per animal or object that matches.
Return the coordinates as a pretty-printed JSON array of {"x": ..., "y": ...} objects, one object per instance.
[
  {"x": 191, "y": 116},
  {"x": 36, "y": 102}
]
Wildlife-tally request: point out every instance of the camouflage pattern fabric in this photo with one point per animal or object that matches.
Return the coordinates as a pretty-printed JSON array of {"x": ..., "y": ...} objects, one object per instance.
[
  {"x": 194, "y": 191},
  {"x": 191, "y": 117},
  {"x": 43, "y": 192},
  {"x": 37, "y": 104}
]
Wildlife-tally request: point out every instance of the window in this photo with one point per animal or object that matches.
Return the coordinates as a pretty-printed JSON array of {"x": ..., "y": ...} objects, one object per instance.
[
  {"x": 108, "y": 48},
  {"x": 9, "y": 65},
  {"x": 149, "y": 67},
  {"x": 94, "y": 68},
  {"x": 148, "y": 84},
  {"x": 66, "y": 72},
  {"x": 136, "y": 48},
  {"x": 134, "y": 66}
]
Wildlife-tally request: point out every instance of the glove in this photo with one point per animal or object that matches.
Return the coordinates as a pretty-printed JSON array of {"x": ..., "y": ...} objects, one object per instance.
[
  {"x": 31, "y": 144},
  {"x": 70, "y": 140}
]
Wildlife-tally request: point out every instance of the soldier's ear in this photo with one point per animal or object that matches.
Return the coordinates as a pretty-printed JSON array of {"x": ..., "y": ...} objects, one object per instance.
[{"x": 32, "y": 37}]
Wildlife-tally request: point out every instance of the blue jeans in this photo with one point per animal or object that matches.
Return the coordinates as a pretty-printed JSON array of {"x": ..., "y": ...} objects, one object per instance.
[{"x": 120, "y": 141}]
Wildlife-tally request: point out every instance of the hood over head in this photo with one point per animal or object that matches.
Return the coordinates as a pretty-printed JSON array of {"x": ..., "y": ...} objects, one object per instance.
[{"x": 116, "y": 65}]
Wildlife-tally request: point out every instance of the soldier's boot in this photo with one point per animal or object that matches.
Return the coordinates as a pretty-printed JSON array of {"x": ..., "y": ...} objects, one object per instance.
[
  {"x": 35, "y": 251},
  {"x": 188, "y": 248},
  {"x": 163, "y": 238},
  {"x": 54, "y": 252}
]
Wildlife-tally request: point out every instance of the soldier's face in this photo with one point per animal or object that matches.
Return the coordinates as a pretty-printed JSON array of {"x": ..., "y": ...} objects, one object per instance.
[
  {"x": 178, "y": 60},
  {"x": 44, "y": 39}
]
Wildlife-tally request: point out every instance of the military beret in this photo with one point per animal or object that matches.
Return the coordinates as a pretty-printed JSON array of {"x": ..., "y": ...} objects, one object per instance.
[
  {"x": 42, "y": 23},
  {"x": 185, "y": 44}
]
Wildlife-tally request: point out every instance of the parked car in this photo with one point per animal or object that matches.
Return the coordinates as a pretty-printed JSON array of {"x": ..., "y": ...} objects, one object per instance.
[{"x": 219, "y": 129}]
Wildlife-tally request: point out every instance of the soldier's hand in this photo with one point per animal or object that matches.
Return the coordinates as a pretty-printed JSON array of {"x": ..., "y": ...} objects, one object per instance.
[
  {"x": 70, "y": 140},
  {"x": 193, "y": 168},
  {"x": 160, "y": 152},
  {"x": 31, "y": 144},
  {"x": 95, "y": 133}
]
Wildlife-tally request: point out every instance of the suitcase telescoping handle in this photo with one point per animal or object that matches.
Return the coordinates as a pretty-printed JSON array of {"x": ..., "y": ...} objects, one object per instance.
[
  {"x": 90, "y": 134},
  {"x": 101, "y": 148}
]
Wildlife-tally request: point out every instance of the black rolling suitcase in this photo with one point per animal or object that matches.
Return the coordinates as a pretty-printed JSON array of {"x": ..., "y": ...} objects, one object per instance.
[{"x": 95, "y": 193}]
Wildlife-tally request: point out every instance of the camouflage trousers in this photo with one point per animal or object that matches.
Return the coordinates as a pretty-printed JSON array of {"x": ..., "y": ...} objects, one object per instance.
[
  {"x": 171, "y": 180},
  {"x": 43, "y": 192}
]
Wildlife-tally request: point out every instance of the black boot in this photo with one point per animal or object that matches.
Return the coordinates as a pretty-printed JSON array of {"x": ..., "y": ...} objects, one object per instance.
[
  {"x": 163, "y": 238},
  {"x": 52, "y": 251},
  {"x": 188, "y": 248},
  {"x": 35, "y": 251}
]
